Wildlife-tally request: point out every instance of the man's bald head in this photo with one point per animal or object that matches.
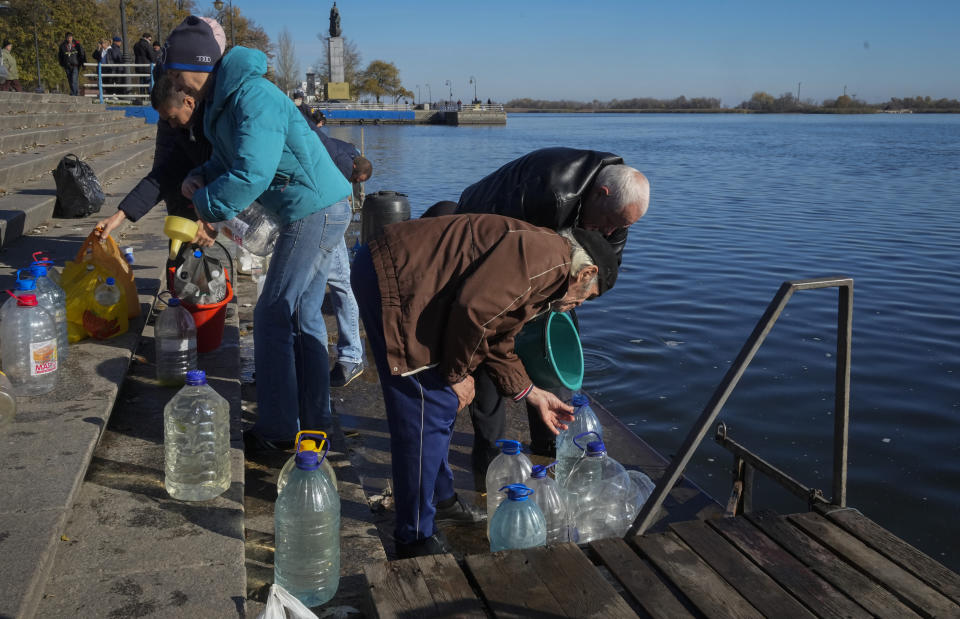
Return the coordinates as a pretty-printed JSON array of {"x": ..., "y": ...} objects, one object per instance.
[{"x": 619, "y": 196}]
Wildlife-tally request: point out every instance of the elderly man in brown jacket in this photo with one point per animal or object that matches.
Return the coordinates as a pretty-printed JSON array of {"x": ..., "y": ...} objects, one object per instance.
[{"x": 440, "y": 296}]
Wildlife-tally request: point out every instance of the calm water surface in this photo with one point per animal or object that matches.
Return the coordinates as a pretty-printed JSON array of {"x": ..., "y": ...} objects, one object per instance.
[{"x": 740, "y": 204}]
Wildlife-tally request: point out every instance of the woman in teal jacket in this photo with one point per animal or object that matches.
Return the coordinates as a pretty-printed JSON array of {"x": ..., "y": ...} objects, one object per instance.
[{"x": 263, "y": 150}]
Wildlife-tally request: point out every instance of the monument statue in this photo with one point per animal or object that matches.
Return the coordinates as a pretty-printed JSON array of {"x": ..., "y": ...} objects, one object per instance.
[{"x": 335, "y": 30}]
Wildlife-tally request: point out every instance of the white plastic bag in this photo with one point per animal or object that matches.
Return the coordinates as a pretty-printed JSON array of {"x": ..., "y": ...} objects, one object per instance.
[{"x": 282, "y": 605}]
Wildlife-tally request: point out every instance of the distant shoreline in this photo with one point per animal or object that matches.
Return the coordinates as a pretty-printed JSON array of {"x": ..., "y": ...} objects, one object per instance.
[{"x": 521, "y": 110}]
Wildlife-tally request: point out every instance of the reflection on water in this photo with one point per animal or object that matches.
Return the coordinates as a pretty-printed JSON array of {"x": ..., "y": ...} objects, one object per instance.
[{"x": 740, "y": 204}]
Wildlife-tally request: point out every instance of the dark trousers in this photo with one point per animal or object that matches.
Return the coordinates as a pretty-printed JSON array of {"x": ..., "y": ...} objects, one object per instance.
[
  {"x": 11, "y": 85},
  {"x": 421, "y": 409},
  {"x": 73, "y": 79}
]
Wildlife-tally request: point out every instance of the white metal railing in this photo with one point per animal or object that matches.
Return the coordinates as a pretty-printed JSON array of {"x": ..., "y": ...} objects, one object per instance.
[{"x": 113, "y": 88}]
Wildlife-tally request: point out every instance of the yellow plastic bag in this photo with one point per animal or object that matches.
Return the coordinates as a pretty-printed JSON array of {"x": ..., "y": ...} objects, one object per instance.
[
  {"x": 107, "y": 257},
  {"x": 80, "y": 278}
]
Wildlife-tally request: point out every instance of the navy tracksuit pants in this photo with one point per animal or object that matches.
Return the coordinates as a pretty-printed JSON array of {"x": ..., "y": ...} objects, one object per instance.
[{"x": 421, "y": 409}]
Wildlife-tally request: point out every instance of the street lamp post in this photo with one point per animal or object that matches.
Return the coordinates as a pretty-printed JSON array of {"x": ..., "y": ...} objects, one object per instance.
[
  {"x": 473, "y": 81},
  {"x": 218, "y": 4},
  {"x": 430, "y": 94},
  {"x": 450, "y": 84},
  {"x": 418, "y": 94}
]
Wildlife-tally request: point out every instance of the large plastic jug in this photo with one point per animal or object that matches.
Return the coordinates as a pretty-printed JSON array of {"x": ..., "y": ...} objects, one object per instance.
[
  {"x": 307, "y": 444},
  {"x": 511, "y": 466},
  {"x": 585, "y": 420},
  {"x": 641, "y": 487},
  {"x": 546, "y": 494},
  {"x": 107, "y": 316},
  {"x": 307, "y": 531},
  {"x": 518, "y": 522},
  {"x": 175, "y": 336},
  {"x": 40, "y": 258},
  {"x": 255, "y": 229},
  {"x": 53, "y": 299},
  {"x": 28, "y": 346},
  {"x": 597, "y": 490},
  {"x": 8, "y": 401},
  {"x": 196, "y": 441}
]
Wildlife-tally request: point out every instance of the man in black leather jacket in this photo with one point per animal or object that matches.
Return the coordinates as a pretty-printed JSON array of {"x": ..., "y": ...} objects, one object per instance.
[{"x": 558, "y": 188}]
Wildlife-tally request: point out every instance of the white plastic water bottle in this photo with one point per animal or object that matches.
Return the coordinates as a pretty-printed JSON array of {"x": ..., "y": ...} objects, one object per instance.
[
  {"x": 518, "y": 522},
  {"x": 597, "y": 490},
  {"x": 40, "y": 259},
  {"x": 546, "y": 494},
  {"x": 196, "y": 441},
  {"x": 255, "y": 229},
  {"x": 53, "y": 299},
  {"x": 28, "y": 347},
  {"x": 307, "y": 531},
  {"x": 307, "y": 444},
  {"x": 175, "y": 335},
  {"x": 585, "y": 420},
  {"x": 107, "y": 294},
  {"x": 512, "y": 466}
]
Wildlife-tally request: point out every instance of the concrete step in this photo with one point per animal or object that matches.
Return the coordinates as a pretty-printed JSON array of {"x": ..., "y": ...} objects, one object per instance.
[
  {"x": 43, "y": 97},
  {"x": 32, "y": 204},
  {"x": 49, "y": 444},
  {"x": 15, "y": 122},
  {"x": 11, "y": 141},
  {"x": 19, "y": 168},
  {"x": 27, "y": 106}
]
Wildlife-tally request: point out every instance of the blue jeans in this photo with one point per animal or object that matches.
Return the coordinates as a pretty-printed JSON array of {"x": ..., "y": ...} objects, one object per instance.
[
  {"x": 349, "y": 345},
  {"x": 421, "y": 409},
  {"x": 73, "y": 79},
  {"x": 289, "y": 336}
]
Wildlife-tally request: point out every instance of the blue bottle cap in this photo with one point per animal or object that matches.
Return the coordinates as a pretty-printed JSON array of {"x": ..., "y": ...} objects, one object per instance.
[
  {"x": 595, "y": 448},
  {"x": 111, "y": 281},
  {"x": 587, "y": 433},
  {"x": 38, "y": 270},
  {"x": 26, "y": 284},
  {"x": 173, "y": 302},
  {"x": 307, "y": 461},
  {"x": 198, "y": 254},
  {"x": 509, "y": 447},
  {"x": 579, "y": 400},
  {"x": 540, "y": 471},
  {"x": 517, "y": 492},
  {"x": 196, "y": 377}
]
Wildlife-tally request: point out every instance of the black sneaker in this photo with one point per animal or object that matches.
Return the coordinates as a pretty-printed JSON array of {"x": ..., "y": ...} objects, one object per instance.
[
  {"x": 433, "y": 545},
  {"x": 459, "y": 512},
  {"x": 344, "y": 372},
  {"x": 253, "y": 444}
]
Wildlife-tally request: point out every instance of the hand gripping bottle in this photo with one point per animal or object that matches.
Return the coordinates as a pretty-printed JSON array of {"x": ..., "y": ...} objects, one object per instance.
[
  {"x": 512, "y": 466},
  {"x": 597, "y": 490},
  {"x": 546, "y": 494},
  {"x": 28, "y": 345},
  {"x": 196, "y": 441},
  {"x": 175, "y": 336},
  {"x": 585, "y": 420},
  {"x": 517, "y": 523},
  {"x": 52, "y": 298},
  {"x": 307, "y": 444},
  {"x": 307, "y": 525}
]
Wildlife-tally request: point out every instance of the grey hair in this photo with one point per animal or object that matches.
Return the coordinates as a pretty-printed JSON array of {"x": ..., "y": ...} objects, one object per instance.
[
  {"x": 627, "y": 185},
  {"x": 579, "y": 258}
]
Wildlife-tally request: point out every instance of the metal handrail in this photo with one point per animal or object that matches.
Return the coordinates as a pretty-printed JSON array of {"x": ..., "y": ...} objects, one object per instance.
[
  {"x": 696, "y": 435},
  {"x": 101, "y": 87}
]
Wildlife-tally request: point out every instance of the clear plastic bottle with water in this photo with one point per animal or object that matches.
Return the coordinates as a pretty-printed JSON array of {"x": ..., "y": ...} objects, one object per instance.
[
  {"x": 317, "y": 444},
  {"x": 597, "y": 490},
  {"x": 546, "y": 494},
  {"x": 255, "y": 229},
  {"x": 196, "y": 441},
  {"x": 175, "y": 335},
  {"x": 307, "y": 530},
  {"x": 641, "y": 487},
  {"x": 512, "y": 466},
  {"x": 107, "y": 294},
  {"x": 40, "y": 258},
  {"x": 28, "y": 346},
  {"x": 53, "y": 299},
  {"x": 585, "y": 420},
  {"x": 518, "y": 522},
  {"x": 8, "y": 401}
]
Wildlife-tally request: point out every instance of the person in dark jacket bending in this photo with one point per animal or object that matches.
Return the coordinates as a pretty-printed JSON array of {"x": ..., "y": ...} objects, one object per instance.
[
  {"x": 558, "y": 188},
  {"x": 440, "y": 296}
]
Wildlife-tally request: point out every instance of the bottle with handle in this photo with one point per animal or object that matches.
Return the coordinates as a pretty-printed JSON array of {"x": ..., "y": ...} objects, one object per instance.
[
  {"x": 108, "y": 316},
  {"x": 175, "y": 336},
  {"x": 307, "y": 531},
  {"x": 512, "y": 466},
  {"x": 518, "y": 522},
  {"x": 53, "y": 299},
  {"x": 255, "y": 229},
  {"x": 597, "y": 490},
  {"x": 40, "y": 258},
  {"x": 546, "y": 494},
  {"x": 584, "y": 420},
  {"x": 307, "y": 440},
  {"x": 28, "y": 346}
]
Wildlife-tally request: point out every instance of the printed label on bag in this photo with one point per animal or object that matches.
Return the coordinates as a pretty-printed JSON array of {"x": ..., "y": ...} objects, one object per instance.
[
  {"x": 235, "y": 229},
  {"x": 43, "y": 357},
  {"x": 176, "y": 345}
]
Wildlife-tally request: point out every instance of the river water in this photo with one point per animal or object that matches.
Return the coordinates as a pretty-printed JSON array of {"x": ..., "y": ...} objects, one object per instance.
[{"x": 739, "y": 205}]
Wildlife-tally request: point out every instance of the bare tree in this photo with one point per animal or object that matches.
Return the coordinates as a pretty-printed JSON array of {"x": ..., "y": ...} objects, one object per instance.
[{"x": 288, "y": 69}]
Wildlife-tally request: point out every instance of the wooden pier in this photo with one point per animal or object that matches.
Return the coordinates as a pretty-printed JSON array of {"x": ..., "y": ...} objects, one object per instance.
[{"x": 818, "y": 564}]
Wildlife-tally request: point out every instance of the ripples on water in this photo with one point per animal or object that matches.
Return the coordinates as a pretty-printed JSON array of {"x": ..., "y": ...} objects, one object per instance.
[{"x": 740, "y": 204}]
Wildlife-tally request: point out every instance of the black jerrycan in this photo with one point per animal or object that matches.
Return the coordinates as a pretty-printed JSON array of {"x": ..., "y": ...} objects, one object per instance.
[{"x": 382, "y": 209}]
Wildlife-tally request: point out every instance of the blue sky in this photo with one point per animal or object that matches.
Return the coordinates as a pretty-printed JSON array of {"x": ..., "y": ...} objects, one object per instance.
[{"x": 621, "y": 49}]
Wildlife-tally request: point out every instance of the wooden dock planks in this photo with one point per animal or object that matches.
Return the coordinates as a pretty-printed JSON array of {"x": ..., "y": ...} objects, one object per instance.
[{"x": 430, "y": 586}]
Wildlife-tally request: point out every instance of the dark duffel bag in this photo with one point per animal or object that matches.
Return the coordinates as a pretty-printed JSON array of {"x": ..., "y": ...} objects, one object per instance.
[{"x": 79, "y": 193}]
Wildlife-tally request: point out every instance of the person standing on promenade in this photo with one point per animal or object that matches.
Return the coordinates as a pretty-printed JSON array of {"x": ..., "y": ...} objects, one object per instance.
[
  {"x": 438, "y": 297},
  {"x": 98, "y": 54},
  {"x": 9, "y": 63},
  {"x": 143, "y": 54},
  {"x": 264, "y": 151},
  {"x": 559, "y": 188},
  {"x": 71, "y": 57}
]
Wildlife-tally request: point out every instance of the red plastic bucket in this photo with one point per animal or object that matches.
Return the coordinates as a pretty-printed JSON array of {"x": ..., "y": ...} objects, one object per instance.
[{"x": 209, "y": 318}]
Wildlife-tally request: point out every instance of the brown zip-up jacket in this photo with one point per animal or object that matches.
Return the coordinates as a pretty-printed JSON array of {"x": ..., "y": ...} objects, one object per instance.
[{"x": 455, "y": 291}]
